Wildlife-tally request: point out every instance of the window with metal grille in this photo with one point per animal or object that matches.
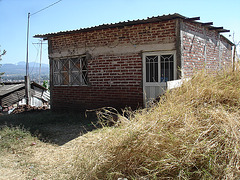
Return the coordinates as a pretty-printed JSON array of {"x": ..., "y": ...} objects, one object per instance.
[
  {"x": 151, "y": 68},
  {"x": 159, "y": 68},
  {"x": 70, "y": 72},
  {"x": 167, "y": 68}
]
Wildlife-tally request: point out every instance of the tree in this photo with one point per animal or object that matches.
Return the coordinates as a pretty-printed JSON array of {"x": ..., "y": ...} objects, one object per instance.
[
  {"x": 1, "y": 54},
  {"x": 45, "y": 84}
]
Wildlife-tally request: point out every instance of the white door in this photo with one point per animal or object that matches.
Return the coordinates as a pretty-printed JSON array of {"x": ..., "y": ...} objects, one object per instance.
[{"x": 158, "y": 68}]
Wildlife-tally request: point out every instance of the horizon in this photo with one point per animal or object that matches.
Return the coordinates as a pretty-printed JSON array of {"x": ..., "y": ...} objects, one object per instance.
[{"x": 19, "y": 62}]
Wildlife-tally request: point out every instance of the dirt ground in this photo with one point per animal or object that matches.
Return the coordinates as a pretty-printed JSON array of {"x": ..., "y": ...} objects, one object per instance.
[
  {"x": 58, "y": 139},
  {"x": 56, "y": 128}
]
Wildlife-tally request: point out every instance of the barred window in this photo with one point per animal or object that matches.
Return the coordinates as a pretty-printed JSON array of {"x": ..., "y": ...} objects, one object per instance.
[
  {"x": 152, "y": 68},
  {"x": 167, "y": 64},
  {"x": 159, "y": 68},
  {"x": 70, "y": 72}
]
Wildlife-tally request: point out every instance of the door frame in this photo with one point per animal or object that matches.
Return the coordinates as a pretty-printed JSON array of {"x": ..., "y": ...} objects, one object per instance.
[{"x": 159, "y": 83}]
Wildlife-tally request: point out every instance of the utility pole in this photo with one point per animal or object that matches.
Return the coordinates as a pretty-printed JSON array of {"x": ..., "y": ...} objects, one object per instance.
[
  {"x": 234, "y": 54},
  {"x": 40, "y": 61},
  {"x": 27, "y": 79},
  {"x": 40, "y": 64}
]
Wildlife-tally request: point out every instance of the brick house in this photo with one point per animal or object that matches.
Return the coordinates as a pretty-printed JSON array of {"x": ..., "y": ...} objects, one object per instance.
[{"x": 128, "y": 63}]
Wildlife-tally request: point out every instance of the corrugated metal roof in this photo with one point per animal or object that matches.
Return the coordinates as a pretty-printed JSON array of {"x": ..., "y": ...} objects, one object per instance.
[
  {"x": 37, "y": 85},
  {"x": 135, "y": 22},
  {"x": 11, "y": 93},
  {"x": 13, "y": 97},
  {"x": 119, "y": 24},
  {"x": 5, "y": 89},
  {"x": 46, "y": 96}
]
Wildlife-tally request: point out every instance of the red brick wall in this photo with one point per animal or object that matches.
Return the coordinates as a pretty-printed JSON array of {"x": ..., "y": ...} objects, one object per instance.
[
  {"x": 203, "y": 48},
  {"x": 115, "y": 74},
  {"x": 161, "y": 32},
  {"x": 115, "y": 79},
  {"x": 226, "y": 53}
]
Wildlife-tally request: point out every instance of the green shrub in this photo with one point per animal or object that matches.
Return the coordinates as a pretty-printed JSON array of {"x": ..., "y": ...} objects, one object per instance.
[{"x": 14, "y": 139}]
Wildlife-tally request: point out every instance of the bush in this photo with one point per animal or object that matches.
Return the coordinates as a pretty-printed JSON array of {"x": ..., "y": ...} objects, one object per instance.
[
  {"x": 192, "y": 133},
  {"x": 14, "y": 139}
]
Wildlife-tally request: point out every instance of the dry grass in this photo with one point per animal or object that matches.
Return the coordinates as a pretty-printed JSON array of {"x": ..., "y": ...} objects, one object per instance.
[{"x": 192, "y": 133}]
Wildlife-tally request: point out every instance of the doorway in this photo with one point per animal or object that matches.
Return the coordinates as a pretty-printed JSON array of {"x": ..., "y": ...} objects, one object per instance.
[{"x": 158, "y": 69}]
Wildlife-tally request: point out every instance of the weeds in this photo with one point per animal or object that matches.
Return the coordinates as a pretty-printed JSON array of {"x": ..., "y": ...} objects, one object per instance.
[
  {"x": 191, "y": 133},
  {"x": 14, "y": 139}
]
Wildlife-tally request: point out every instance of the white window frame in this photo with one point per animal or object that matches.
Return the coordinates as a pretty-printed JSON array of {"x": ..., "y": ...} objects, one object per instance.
[{"x": 159, "y": 54}]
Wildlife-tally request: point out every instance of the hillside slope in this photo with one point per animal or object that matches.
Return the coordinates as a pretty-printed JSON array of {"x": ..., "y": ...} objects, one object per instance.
[{"x": 192, "y": 133}]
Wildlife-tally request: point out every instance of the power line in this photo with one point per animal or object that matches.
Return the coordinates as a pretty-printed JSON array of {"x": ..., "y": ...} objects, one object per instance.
[
  {"x": 27, "y": 79},
  {"x": 46, "y": 7},
  {"x": 28, "y": 24}
]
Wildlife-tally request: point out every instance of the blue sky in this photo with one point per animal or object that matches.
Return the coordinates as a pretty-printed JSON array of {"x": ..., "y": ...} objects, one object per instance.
[{"x": 75, "y": 14}]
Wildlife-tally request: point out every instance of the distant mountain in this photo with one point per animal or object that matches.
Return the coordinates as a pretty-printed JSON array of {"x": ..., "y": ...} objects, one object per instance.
[
  {"x": 20, "y": 68},
  {"x": 32, "y": 64},
  {"x": 16, "y": 72}
]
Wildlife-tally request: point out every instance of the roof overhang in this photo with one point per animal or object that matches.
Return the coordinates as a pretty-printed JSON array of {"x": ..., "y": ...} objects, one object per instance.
[
  {"x": 115, "y": 25},
  {"x": 135, "y": 22}
]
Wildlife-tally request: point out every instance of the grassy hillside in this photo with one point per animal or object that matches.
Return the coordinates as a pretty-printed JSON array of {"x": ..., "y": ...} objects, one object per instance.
[{"x": 192, "y": 133}]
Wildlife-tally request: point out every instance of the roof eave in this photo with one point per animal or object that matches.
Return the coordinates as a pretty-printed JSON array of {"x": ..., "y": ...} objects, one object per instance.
[
  {"x": 116, "y": 25},
  {"x": 135, "y": 22},
  {"x": 230, "y": 42}
]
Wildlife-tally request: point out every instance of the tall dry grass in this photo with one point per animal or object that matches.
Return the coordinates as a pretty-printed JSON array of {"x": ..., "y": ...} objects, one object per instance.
[{"x": 192, "y": 133}]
